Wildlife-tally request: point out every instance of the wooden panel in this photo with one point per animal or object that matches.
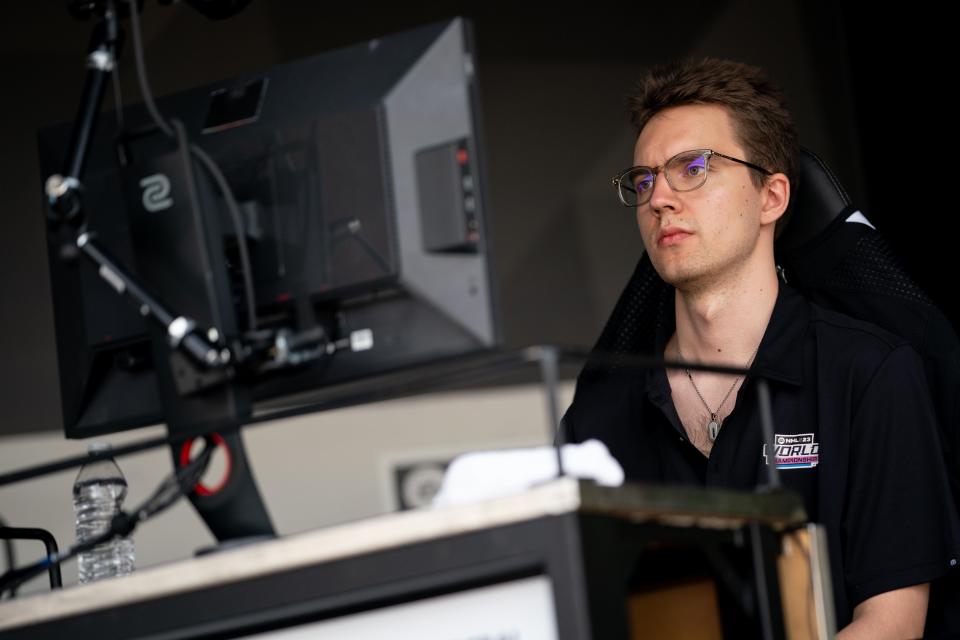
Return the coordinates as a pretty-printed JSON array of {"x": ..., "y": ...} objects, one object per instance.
[
  {"x": 796, "y": 586},
  {"x": 690, "y": 610},
  {"x": 687, "y": 611}
]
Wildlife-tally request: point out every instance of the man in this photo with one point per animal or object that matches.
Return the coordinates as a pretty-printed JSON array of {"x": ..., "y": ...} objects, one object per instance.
[{"x": 715, "y": 163}]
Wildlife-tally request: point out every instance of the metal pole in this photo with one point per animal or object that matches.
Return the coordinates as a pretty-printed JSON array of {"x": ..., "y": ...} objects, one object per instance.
[{"x": 551, "y": 376}]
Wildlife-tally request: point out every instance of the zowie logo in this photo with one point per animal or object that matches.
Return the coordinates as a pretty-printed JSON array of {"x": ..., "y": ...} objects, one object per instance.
[{"x": 156, "y": 192}]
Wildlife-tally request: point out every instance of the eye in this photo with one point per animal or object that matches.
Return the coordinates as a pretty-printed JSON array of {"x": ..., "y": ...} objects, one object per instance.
[
  {"x": 694, "y": 167},
  {"x": 641, "y": 180},
  {"x": 643, "y": 183}
]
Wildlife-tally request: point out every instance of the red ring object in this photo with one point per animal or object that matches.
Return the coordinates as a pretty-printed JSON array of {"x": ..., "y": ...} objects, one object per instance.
[{"x": 201, "y": 489}]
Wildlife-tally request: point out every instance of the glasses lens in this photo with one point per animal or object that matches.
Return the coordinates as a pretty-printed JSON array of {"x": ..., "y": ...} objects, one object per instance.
[
  {"x": 636, "y": 186},
  {"x": 687, "y": 171}
]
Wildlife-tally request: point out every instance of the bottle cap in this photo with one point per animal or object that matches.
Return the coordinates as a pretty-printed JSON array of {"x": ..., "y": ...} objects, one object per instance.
[{"x": 98, "y": 447}]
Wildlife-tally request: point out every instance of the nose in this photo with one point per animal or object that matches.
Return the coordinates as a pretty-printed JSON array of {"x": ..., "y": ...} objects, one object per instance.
[{"x": 663, "y": 195}]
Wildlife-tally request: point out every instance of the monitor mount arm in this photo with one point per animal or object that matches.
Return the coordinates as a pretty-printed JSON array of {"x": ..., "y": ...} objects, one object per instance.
[
  {"x": 207, "y": 347},
  {"x": 234, "y": 509},
  {"x": 65, "y": 213}
]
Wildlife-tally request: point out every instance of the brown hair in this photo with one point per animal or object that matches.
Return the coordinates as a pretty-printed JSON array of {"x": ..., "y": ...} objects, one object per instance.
[{"x": 757, "y": 108}]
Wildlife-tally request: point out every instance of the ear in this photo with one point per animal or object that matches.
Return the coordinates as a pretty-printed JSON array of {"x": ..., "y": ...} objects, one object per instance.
[{"x": 776, "y": 196}]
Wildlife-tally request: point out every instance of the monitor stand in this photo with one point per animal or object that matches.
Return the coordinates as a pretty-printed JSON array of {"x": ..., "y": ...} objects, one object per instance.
[{"x": 231, "y": 506}]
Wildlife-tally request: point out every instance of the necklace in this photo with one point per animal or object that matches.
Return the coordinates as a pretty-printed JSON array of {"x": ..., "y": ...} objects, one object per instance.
[{"x": 713, "y": 426}]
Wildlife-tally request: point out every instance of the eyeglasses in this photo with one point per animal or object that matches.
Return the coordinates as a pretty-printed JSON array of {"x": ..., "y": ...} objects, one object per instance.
[{"x": 685, "y": 171}]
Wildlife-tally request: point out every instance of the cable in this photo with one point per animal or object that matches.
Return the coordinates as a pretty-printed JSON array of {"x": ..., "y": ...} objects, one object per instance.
[
  {"x": 208, "y": 163},
  {"x": 238, "y": 226},
  {"x": 177, "y": 484},
  {"x": 184, "y": 144},
  {"x": 142, "y": 71},
  {"x": 11, "y": 556},
  {"x": 117, "y": 94},
  {"x": 78, "y": 461},
  {"x": 351, "y": 228}
]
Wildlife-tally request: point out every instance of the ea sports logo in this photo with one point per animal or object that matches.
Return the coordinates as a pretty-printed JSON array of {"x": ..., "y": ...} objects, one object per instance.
[{"x": 156, "y": 192}]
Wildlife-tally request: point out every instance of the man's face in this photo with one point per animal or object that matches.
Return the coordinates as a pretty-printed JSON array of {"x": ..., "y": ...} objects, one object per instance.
[{"x": 707, "y": 235}]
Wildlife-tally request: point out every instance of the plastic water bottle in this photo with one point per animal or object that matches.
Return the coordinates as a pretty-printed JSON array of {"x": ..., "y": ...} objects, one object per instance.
[{"x": 98, "y": 494}]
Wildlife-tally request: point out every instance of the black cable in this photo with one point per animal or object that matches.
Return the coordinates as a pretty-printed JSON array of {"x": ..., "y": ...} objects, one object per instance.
[
  {"x": 117, "y": 94},
  {"x": 420, "y": 378},
  {"x": 177, "y": 484},
  {"x": 142, "y": 71},
  {"x": 239, "y": 230},
  {"x": 78, "y": 461},
  {"x": 11, "y": 556},
  {"x": 349, "y": 231},
  {"x": 209, "y": 164}
]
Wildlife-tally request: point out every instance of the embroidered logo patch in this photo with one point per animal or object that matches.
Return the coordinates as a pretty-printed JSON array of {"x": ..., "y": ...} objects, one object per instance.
[{"x": 796, "y": 451}]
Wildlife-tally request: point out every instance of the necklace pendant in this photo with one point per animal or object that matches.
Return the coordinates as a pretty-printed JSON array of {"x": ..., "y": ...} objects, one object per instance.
[{"x": 713, "y": 428}]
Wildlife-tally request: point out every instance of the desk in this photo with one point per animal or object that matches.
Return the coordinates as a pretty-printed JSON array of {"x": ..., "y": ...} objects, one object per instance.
[{"x": 584, "y": 561}]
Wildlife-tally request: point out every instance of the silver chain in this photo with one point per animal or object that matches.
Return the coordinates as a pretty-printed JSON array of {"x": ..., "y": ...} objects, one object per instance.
[{"x": 713, "y": 427}]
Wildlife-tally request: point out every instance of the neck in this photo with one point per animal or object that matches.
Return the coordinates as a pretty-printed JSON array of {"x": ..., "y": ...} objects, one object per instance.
[{"x": 723, "y": 324}]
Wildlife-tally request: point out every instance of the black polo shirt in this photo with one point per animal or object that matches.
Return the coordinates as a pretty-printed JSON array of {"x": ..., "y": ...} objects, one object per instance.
[{"x": 856, "y": 438}]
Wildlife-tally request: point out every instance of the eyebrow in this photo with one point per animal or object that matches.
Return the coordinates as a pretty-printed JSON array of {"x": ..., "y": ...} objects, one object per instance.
[{"x": 647, "y": 164}]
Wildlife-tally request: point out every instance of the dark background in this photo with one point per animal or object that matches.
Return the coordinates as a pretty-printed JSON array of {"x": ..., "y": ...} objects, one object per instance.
[{"x": 869, "y": 89}]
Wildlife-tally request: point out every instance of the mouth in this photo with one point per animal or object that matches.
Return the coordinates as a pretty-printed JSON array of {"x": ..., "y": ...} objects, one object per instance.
[{"x": 671, "y": 237}]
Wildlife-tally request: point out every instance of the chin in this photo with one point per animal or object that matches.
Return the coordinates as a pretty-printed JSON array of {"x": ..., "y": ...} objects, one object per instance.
[
  {"x": 672, "y": 272},
  {"x": 682, "y": 278}
]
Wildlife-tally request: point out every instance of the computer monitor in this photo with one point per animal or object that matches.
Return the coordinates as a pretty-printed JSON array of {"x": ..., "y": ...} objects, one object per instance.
[{"x": 359, "y": 176}]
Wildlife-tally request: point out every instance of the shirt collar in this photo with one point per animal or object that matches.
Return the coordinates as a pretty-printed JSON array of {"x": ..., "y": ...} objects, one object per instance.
[{"x": 780, "y": 355}]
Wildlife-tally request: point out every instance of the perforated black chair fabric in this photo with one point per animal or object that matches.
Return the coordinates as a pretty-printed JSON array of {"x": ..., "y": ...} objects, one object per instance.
[{"x": 831, "y": 254}]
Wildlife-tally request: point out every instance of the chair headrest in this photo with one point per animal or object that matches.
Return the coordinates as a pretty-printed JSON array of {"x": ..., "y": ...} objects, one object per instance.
[{"x": 819, "y": 200}]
